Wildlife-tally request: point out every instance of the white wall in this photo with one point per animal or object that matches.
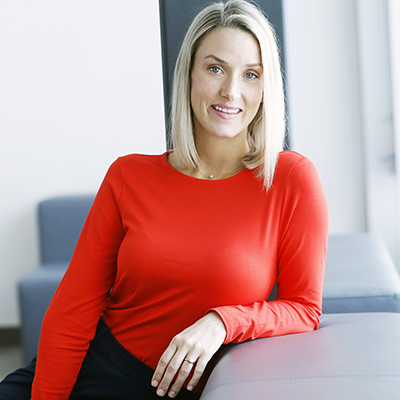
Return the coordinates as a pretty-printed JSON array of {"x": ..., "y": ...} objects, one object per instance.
[
  {"x": 382, "y": 216},
  {"x": 394, "y": 29},
  {"x": 80, "y": 84},
  {"x": 344, "y": 88},
  {"x": 321, "y": 41}
]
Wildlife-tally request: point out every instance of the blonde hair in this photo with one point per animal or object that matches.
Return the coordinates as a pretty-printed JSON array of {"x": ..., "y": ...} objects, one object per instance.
[{"x": 266, "y": 132}]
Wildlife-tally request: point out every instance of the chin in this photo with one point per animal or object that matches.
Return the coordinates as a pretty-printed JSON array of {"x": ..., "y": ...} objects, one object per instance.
[{"x": 227, "y": 135}]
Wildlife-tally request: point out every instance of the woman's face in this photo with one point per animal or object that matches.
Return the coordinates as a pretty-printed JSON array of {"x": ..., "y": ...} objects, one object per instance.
[{"x": 227, "y": 86}]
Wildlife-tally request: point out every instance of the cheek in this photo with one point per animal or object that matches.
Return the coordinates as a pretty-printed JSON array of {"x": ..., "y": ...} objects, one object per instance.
[
  {"x": 202, "y": 88},
  {"x": 195, "y": 102},
  {"x": 257, "y": 98},
  {"x": 194, "y": 92},
  {"x": 259, "y": 92},
  {"x": 199, "y": 97},
  {"x": 256, "y": 102}
]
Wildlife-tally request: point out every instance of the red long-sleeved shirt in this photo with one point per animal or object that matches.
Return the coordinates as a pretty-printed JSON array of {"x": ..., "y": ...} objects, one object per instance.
[{"x": 160, "y": 249}]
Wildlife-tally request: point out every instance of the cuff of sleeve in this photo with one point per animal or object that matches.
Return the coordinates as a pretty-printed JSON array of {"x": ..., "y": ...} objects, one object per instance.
[{"x": 226, "y": 320}]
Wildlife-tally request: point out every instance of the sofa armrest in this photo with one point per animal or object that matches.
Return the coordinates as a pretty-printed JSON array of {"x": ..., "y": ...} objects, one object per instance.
[
  {"x": 35, "y": 293},
  {"x": 351, "y": 356}
]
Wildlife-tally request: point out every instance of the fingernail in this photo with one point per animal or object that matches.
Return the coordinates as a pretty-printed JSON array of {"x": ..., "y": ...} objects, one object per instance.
[
  {"x": 154, "y": 383},
  {"x": 172, "y": 394},
  {"x": 190, "y": 388},
  {"x": 160, "y": 392}
]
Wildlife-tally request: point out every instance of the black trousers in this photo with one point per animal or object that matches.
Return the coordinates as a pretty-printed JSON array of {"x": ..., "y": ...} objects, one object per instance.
[{"x": 108, "y": 372}]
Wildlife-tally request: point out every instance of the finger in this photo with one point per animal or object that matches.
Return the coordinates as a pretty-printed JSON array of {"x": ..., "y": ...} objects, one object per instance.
[
  {"x": 163, "y": 364},
  {"x": 170, "y": 372},
  {"x": 184, "y": 372},
  {"x": 198, "y": 372}
]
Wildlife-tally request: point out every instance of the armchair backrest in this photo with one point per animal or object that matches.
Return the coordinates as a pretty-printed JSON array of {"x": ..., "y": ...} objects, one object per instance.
[{"x": 60, "y": 223}]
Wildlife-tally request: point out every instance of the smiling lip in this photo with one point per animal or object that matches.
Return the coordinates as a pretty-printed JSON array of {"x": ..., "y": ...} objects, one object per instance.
[{"x": 226, "y": 111}]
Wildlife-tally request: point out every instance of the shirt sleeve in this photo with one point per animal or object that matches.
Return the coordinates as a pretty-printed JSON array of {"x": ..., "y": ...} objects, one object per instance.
[
  {"x": 70, "y": 322},
  {"x": 302, "y": 244}
]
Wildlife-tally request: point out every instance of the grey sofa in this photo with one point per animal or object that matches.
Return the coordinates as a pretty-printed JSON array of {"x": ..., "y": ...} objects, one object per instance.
[
  {"x": 350, "y": 357},
  {"x": 60, "y": 221},
  {"x": 355, "y": 354}
]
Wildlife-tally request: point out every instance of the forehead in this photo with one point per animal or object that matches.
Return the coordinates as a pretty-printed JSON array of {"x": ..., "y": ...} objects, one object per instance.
[{"x": 231, "y": 45}]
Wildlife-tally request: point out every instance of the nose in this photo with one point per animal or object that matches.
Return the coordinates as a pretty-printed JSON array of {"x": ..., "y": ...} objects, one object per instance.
[{"x": 230, "y": 88}]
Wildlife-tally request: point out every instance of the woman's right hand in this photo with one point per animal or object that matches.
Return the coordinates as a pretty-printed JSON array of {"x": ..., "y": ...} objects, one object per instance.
[{"x": 193, "y": 347}]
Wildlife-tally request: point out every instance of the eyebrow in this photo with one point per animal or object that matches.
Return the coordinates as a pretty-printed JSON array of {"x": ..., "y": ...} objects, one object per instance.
[{"x": 225, "y": 62}]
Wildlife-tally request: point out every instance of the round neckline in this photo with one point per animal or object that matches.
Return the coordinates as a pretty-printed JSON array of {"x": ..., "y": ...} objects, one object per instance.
[{"x": 193, "y": 179}]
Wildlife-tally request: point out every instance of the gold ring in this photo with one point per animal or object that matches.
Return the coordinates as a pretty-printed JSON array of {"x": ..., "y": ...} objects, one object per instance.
[{"x": 189, "y": 360}]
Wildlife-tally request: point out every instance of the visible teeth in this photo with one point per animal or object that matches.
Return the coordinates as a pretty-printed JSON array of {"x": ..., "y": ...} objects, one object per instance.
[{"x": 227, "y": 110}]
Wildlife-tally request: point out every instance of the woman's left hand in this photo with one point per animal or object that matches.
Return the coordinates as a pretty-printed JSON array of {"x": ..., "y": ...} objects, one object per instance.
[{"x": 192, "y": 348}]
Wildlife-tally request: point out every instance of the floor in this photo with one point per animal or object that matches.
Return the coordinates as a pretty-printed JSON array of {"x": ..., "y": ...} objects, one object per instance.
[{"x": 10, "y": 351}]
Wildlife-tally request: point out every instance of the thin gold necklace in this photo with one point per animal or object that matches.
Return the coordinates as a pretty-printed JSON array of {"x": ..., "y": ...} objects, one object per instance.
[{"x": 212, "y": 176}]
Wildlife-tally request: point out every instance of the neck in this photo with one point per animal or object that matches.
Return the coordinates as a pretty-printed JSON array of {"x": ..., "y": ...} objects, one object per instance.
[{"x": 220, "y": 158}]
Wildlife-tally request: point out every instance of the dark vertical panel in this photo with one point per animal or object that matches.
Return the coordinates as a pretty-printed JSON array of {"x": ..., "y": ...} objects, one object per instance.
[{"x": 175, "y": 17}]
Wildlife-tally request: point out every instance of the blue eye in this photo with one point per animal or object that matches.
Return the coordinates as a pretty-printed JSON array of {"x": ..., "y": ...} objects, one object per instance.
[
  {"x": 216, "y": 70},
  {"x": 250, "y": 75}
]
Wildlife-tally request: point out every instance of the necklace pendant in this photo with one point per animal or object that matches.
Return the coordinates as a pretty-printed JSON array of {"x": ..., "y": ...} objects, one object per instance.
[{"x": 211, "y": 176}]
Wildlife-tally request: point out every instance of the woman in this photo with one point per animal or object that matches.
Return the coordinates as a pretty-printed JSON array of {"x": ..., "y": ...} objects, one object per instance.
[{"x": 180, "y": 251}]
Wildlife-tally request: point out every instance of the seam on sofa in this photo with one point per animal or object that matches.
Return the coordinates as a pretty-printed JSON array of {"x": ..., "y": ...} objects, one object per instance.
[
  {"x": 308, "y": 377},
  {"x": 381, "y": 296}
]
